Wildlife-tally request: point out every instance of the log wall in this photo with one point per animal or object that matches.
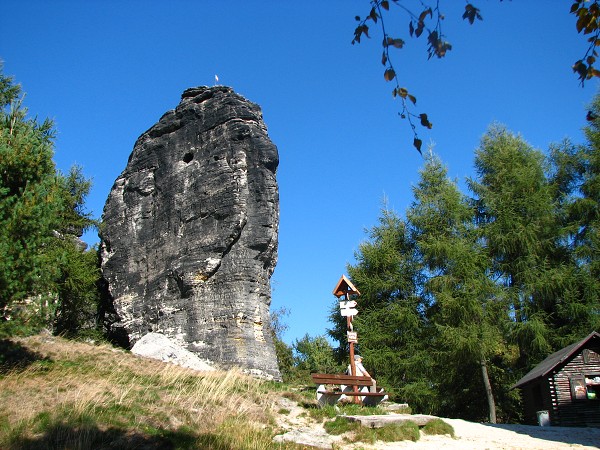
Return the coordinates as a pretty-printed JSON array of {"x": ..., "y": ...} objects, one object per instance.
[{"x": 566, "y": 408}]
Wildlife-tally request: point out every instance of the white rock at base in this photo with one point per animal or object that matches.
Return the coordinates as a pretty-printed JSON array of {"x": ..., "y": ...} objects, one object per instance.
[{"x": 158, "y": 346}]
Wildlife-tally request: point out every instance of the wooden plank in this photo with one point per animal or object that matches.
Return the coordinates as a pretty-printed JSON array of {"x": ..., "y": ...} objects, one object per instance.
[
  {"x": 322, "y": 378},
  {"x": 355, "y": 394},
  {"x": 338, "y": 376},
  {"x": 344, "y": 382}
]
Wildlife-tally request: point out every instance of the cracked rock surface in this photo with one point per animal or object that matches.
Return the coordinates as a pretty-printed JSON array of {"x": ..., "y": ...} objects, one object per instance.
[{"x": 189, "y": 235}]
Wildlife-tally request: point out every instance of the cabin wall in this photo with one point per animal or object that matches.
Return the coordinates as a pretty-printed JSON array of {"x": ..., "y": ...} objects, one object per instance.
[
  {"x": 575, "y": 393},
  {"x": 536, "y": 397}
]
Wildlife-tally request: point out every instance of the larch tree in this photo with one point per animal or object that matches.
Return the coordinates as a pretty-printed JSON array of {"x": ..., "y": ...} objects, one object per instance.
[
  {"x": 516, "y": 216},
  {"x": 466, "y": 309},
  {"x": 391, "y": 324},
  {"x": 575, "y": 177}
]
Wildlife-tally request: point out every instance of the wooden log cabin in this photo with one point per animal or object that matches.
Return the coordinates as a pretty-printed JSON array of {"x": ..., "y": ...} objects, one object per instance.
[{"x": 566, "y": 385}]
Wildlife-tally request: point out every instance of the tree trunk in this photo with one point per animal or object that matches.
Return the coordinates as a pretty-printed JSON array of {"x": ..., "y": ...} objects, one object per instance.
[{"x": 488, "y": 390}]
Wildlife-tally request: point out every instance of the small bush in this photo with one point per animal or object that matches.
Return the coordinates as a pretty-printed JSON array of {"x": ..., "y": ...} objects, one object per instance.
[{"x": 438, "y": 426}]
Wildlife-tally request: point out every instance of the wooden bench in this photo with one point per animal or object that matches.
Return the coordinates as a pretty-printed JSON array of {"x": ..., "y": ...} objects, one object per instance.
[{"x": 344, "y": 387}]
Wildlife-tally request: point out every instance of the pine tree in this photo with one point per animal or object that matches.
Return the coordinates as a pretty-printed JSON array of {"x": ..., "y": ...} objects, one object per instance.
[
  {"x": 29, "y": 202},
  {"x": 46, "y": 279}
]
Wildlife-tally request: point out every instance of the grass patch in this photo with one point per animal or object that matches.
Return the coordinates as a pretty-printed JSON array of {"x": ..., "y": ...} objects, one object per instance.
[
  {"x": 348, "y": 409},
  {"x": 438, "y": 426},
  {"x": 340, "y": 425},
  {"x": 71, "y": 394},
  {"x": 407, "y": 431}
]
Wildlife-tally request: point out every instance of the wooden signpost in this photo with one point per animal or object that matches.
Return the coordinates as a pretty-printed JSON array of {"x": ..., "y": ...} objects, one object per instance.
[
  {"x": 347, "y": 385},
  {"x": 345, "y": 289}
]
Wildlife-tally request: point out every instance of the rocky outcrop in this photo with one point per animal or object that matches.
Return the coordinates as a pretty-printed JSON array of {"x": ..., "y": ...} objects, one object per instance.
[
  {"x": 189, "y": 234},
  {"x": 158, "y": 346}
]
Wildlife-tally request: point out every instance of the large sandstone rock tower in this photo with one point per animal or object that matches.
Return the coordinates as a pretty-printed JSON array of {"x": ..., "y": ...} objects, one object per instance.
[{"x": 189, "y": 236}]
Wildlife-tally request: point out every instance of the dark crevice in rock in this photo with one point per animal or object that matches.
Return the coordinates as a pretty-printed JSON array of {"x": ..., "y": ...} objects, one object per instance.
[{"x": 185, "y": 290}]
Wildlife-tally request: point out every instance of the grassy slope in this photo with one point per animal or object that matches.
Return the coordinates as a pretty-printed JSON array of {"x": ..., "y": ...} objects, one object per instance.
[{"x": 56, "y": 393}]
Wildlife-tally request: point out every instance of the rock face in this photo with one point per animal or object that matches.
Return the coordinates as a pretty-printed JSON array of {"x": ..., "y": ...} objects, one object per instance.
[{"x": 189, "y": 236}]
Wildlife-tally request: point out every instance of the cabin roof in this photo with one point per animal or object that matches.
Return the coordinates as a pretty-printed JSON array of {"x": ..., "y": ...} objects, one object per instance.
[{"x": 556, "y": 358}]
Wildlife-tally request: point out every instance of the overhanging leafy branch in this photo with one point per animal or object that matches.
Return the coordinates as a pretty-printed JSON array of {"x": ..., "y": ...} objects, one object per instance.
[{"x": 429, "y": 21}]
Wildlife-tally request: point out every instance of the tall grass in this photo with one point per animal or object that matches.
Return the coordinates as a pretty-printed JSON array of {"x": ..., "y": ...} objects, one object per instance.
[{"x": 82, "y": 396}]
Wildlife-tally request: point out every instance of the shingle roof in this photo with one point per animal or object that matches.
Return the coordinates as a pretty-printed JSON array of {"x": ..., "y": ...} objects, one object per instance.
[{"x": 556, "y": 358}]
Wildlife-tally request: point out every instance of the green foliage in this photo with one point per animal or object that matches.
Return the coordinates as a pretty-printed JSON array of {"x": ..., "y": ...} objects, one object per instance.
[
  {"x": 76, "y": 311},
  {"x": 518, "y": 221},
  {"x": 468, "y": 293},
  {"x": 315, "y": 354},
  {"x": 46, "y": 280},
  {"x": 29, "y": 201},
  {"x": 467, "y": 312},
  {"x": 391, "y": 323}
]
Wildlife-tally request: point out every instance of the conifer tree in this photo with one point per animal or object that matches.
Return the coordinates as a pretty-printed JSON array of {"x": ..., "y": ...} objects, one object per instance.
[
  {"x": 516, "y": 215},
  {"x": 29, "y": 201},
  {"x": 46, "y": 279},
  {"x": 391, "y": 324},
  {"x": 575, "y": 179},
  {"x": 466, "y": 312}
]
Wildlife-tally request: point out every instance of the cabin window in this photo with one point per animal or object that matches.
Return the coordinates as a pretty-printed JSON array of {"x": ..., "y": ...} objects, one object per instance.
[
  {"x": 578, "y": 388},
  {"x": 592, "y": 385}
]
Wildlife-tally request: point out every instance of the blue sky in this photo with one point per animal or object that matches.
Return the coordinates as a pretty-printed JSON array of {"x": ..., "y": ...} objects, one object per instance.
[{"x": 106, "y": 71}]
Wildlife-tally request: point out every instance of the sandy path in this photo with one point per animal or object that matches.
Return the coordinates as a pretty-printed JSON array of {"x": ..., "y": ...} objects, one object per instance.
[
  {"x": 471, "y": 435},
  {"x": 297, "y": 427}
]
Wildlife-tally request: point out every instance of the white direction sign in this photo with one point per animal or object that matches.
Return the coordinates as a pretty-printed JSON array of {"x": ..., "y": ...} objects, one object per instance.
[
  {"x": 352, "y": 337},
  {"x": 347, "y": 308}
]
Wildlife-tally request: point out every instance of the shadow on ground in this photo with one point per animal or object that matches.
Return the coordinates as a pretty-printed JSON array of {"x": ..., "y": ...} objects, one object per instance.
[
  {"x": 90, "y": 437},
  {"x": 567, "y": 435},
  {"x": 14, "y": 356}
]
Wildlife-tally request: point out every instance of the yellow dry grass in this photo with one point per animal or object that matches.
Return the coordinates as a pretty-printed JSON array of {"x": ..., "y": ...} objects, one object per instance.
[{"x": 74, "y": 383}]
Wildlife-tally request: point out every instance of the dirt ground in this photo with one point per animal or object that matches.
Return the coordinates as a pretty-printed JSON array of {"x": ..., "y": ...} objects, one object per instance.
[{"x": 468, "y": 435}]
